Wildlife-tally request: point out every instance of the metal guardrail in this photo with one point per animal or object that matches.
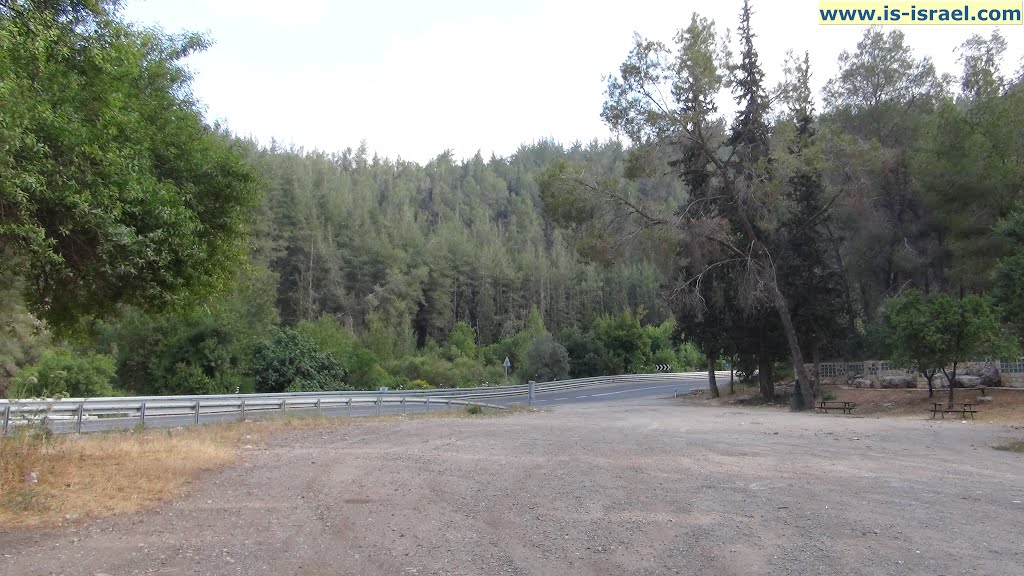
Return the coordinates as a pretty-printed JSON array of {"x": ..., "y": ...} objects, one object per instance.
[{"x": 68, "y": 415}]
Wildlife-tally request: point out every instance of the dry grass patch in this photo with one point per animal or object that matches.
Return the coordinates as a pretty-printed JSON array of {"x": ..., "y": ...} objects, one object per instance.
[
  {"x": 101, "y": 474},
  {"x": 1011, "y": 447},
  {"x": 45, "y": 479}
]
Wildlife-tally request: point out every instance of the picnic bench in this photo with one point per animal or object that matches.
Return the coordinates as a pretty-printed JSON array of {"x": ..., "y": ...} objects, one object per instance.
[
  {"x": 845, "y": 406},
  {"x": 965, "y": 409}
]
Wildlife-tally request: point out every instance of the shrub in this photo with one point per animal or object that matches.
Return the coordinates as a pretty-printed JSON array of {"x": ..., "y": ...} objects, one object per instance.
[
  {"x": 587, "y": 356},
  {"x": 65, "y": 374},
  {"x": 201, "y": 361},
  {"x": 290, "y": 361},
  {"x": 461, "y": 341},
  {"x": 627, "y": 343},
  {"x": 546, "y": 360},
  {"x": 417, "y": 385},
  {"x": 690, "y": 358}
]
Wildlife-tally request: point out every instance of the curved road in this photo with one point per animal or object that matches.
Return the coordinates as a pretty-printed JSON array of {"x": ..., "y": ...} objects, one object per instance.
[{"x": 649, "y": 388}]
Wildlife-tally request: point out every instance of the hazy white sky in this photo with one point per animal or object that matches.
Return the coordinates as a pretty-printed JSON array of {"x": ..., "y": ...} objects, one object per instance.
[{"x": 417, "y": 77}]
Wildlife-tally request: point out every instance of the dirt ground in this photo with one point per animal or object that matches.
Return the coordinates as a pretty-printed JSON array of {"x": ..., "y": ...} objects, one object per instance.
[
  {"x": 994, "y": 405},
  {"x": 650, "y": 487}
]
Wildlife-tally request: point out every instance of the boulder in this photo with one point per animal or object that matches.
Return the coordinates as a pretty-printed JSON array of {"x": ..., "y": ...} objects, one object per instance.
[
  {"x": 898, "y": 382},
  {"x": 863, "y": 383},
  {"x": 988, "y": 373},
  {"x": 968, "y": 381}
]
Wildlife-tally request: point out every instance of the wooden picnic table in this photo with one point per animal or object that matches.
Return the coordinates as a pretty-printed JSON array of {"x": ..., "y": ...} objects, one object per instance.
[
  {"x": 965, "y": 409},
  {"x": 844, "y": 405}
]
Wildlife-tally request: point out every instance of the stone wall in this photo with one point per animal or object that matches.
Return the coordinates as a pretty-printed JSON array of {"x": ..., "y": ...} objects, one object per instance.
[{"x": 882, "y": 374}]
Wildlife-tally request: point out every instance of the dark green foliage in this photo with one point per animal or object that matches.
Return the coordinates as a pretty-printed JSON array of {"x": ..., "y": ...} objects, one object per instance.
[
  {"x": 587, "y": 355},
  {"x": 63, "y": 373},
  {"x": 628, "y": 345},
  {"x": 289, "y": 361},
  {"x": 440, "y": 373},
  {"x": 201, "y": 362},
  {"x": 462, "y": 341},
  {"x": 546, "y": 360},
  {"x": 112, "y": 189},
  {"x": 939, "y": 332}
]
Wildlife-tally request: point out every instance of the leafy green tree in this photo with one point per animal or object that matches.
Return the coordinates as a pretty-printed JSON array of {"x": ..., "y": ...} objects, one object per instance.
[
  {"x": 969, "y": 170},
  {"x": 1008, "y": 273},
  {"x": 62, "y": 373},
  {"x": 112, "y": 189},
  {"x": 201, "y": 361},
  {"x": 878, "y": 83},
  {"x": 938, "y": 333},
  {"x": 664, "y": 103},
  {"x": 587, "y": 356},
  {"x": 288, "y": 361},
  {"x": 546, "y": 360},
  {"x": 628, "y": 346},
  {"x": 981, "y": 57},
  {"x": 462, "y": 339}
]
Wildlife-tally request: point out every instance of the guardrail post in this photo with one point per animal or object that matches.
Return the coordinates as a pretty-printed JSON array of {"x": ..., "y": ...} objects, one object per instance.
[
  {"x": 242, "y": 410},
  {"x": 349, "y": 404},
  {"x": 197, "y": 412},
  {"x": 7, "y": 418},
  {"x": 284, "y": 406},
  {"x": 142, "y": 415},
  {"x": 78, "y": 419},
  {"x": 426, "y": 404},
  {"x": 403, "y": 404},
  {"x": 317, "y": 406},
  {"x": 449, "y": 403},
  {"x": 380, "y": 400},
  {"x": 531, "y": 385}
]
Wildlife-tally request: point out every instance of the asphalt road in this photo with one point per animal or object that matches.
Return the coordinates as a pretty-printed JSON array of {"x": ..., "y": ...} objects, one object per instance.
[
  {"x": 609, "y": 393},
  {"x": 650, "y": 388}
]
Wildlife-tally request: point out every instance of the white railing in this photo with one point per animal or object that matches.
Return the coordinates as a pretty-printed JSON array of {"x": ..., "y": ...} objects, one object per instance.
[{"x": 69, "y": 414}]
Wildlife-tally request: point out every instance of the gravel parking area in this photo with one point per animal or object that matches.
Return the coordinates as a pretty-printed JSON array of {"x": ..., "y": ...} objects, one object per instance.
[{"x": 638, "y": 488}]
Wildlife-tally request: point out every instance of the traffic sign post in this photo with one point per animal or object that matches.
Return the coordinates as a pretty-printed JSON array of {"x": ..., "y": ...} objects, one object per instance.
[{"x": 506, "y": 364}]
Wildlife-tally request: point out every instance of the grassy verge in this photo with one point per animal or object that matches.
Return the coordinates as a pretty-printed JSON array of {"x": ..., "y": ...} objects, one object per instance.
[
  {"x": 1011, "y": 447},
  {"x": 48, "y": 479}
]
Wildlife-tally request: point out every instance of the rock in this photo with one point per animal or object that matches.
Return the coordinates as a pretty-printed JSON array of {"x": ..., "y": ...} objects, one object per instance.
[
  {"x": 33, "y": 477},
  {"x": 984, "y": 398},
  {"x": 71, "y": 517},
  {"x": 968, "y": 381},
  {"x": 988, "y": 373},
  {"x": 898, "y": 382},
  {"x": 863, "y": 383}
]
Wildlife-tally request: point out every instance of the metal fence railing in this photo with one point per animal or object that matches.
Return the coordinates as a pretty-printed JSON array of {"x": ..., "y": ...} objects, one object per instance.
[{"x": 77, "y": 414}]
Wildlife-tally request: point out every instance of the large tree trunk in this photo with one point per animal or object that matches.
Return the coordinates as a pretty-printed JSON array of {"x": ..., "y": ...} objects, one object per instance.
[
  {"x": 807, "y": 390},
  {"x": 712, "y": 383},
  {"x": 816, "y": 359},
  {"x": 732, "y": 376},
  {"x": 931, "y": 389},
  {"x": 764, "y": 375},
  {"x": 951, "y": 377}
]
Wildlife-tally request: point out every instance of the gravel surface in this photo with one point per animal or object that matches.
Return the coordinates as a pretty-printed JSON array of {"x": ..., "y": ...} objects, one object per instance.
[{"x": 623, "y": 488}]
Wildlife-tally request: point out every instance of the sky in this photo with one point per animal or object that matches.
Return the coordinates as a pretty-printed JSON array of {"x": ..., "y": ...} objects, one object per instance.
[{"x": 415, "y": 78}]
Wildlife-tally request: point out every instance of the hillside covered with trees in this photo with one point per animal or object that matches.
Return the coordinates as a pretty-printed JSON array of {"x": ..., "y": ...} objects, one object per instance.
[{"x": 147, "y": 252}]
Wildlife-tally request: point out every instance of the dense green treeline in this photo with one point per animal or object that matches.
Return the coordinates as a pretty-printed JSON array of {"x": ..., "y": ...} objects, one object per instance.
[
  {"x": 373, "y": 240},
  {"x": 404, "y": 276},
  {"x": 223, "y": 264}
]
